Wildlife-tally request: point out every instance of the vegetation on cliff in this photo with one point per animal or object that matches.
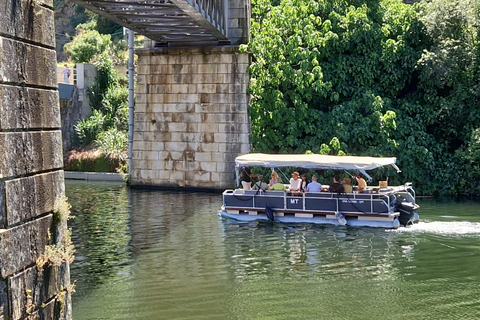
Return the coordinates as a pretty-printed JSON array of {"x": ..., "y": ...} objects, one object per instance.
[
  {"x": 383, "y": 77},
  {"x": 103, "y": 135}
]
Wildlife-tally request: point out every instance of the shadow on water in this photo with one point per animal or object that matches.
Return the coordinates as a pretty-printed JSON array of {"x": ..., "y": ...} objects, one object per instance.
[{"x": 168, "y": 255}]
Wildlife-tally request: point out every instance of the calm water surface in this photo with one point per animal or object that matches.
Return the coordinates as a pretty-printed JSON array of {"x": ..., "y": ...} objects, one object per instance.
[{"x": 167, "y": 255}]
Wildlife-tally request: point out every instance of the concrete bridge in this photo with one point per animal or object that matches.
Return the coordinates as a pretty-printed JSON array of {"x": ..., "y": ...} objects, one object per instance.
[{"x": 191, "y": 118}]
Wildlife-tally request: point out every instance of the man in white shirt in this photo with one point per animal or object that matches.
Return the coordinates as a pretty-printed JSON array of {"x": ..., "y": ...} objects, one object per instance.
[{"x": 295, "y": 183}]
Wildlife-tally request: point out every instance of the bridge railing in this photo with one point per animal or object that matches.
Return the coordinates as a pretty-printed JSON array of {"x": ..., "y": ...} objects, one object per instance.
[{"x": 215, "y": 11}]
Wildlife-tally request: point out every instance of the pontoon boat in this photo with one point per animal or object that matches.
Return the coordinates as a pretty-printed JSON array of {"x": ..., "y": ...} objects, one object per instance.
[{"x": 383, "y": 206}]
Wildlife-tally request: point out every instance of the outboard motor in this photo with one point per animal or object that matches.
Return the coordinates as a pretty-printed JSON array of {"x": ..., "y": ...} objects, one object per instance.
[{"x": 408, "y": 212}]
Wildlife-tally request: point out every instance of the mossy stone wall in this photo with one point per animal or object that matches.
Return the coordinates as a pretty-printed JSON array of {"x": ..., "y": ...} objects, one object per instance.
[{"x": 31, "y": 175}]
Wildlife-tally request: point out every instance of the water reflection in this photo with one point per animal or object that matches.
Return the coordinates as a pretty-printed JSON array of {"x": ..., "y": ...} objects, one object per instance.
[
  {"x": 167, "y": 255},
  {"x": 101, "y": 231},
  {"x": 312, "y": 251}
]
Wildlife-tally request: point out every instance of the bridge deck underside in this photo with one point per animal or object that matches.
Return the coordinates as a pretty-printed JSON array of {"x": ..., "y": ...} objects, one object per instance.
[{"x": 167, "y": 21}]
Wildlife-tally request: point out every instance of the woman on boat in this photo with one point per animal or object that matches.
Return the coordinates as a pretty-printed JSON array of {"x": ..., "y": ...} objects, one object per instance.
[
  {"x": 278, "y": 186},
  {"x": 304, "y": 183},
  {"x": 274, "y": 179}
]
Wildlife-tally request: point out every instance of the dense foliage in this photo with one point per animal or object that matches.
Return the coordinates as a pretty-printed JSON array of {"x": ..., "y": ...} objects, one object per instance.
[
  {"x": 382, "y": 77},
  {"x": 109, "y": 101},
  {"x": 106, "y": 128},
  {"x": 86, "y": 45}
]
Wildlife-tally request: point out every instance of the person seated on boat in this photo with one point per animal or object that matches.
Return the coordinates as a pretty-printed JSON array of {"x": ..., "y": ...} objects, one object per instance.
[
  {"x": 245, "y": 178},
  {"x": 260, "y": 184},
  {"x": 304, "y": 182},
  {"x": 279, "y": 186},
  {"x": 336, "y": 186},
  {"x": 347, "y": 185},
  {"x": 314, "y": 186},
  {"x": 362, "y": 185},
  {"x": 274, "y": 179},
  {"x": 295, "y": 184}
]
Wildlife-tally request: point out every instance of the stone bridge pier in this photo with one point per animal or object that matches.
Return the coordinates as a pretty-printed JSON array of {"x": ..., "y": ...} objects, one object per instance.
[
  {"x": 31, "y": 176},
  {"x": 191, "y": 110},
  {"x": 191, "y": 117}
]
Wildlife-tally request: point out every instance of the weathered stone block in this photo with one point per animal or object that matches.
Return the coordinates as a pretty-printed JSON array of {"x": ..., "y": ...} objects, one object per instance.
[
  {"x": 14, "y": 253},
  {"x": 22, "y": 108},
  {"x": 175, "y": 146},
  {"x": 208, "y": 166},
  {"x": 224, "y": 166},
  {"x": 152, "y": 136},
  {"x": 208, "y": 127},
  {"x": 209, "y": 147},
  {"x": 27, "y": 64},
  {"x": 233, "y": 23},
  {"x": 231, "y": 127},
  {"x": 48, "y": 3},
  {"x": 158, "y": 165},
  {"x": 206, "y": 88},
  {"x": 236, "y": 13},
  {"x": 30, "y": 152},
  {"x": 203, "y": 156},
  {"x": 27, "y": 20},
  {"x": 29, "y": 197},
  {"x": 4, "y": 303},
  {"x": 141, "y": 80},
  {"x": 42, "y": 285},
  {"x": 202, "y": 176},
  {"x": 245, "y": 148}
]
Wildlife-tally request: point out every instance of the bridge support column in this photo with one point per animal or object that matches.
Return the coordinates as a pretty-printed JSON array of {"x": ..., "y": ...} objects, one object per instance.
[
  {"x": 31, "y": 175},
  {"x": 191, "y": 116}
]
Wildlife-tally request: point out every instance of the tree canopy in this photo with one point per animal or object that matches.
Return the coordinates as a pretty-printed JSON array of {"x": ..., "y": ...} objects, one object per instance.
[{"x": 382, "y": 77}]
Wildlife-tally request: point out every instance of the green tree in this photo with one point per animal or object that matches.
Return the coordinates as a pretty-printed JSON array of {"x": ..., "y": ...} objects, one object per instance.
[
  {"x": 322, "y": 69},
  {"x": 384, "y": 77},
  {"x": 86, "y": 45}
]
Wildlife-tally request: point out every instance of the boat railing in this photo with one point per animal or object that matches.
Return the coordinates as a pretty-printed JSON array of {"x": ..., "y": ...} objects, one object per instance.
[{"x": 386, "y": 197}]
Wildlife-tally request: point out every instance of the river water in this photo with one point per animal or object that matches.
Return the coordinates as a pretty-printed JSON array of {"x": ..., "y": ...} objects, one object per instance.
[{"x": 168, "y": 255}]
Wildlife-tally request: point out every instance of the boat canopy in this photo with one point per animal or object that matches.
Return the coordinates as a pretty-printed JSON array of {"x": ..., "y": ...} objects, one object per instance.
[{"x": 313, "y": 161}]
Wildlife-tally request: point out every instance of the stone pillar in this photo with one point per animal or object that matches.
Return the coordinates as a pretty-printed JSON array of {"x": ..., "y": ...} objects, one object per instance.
[
  {"x": 86, "y": 75},
  {"x": 191, "y": 118},
  {"x": 239, "y": 13},
  {"x": 31, "y": 176}
]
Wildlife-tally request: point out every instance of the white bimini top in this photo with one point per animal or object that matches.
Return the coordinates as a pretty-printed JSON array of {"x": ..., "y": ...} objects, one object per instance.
[{"x": 313, "y": 161}]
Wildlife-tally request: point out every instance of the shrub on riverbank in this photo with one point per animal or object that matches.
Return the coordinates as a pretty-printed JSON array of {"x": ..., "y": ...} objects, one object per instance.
[{"x": 91, "y": 161}]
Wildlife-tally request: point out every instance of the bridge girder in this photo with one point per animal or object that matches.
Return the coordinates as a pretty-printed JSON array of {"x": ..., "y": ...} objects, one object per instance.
[{"x": 168, "y": 22}]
